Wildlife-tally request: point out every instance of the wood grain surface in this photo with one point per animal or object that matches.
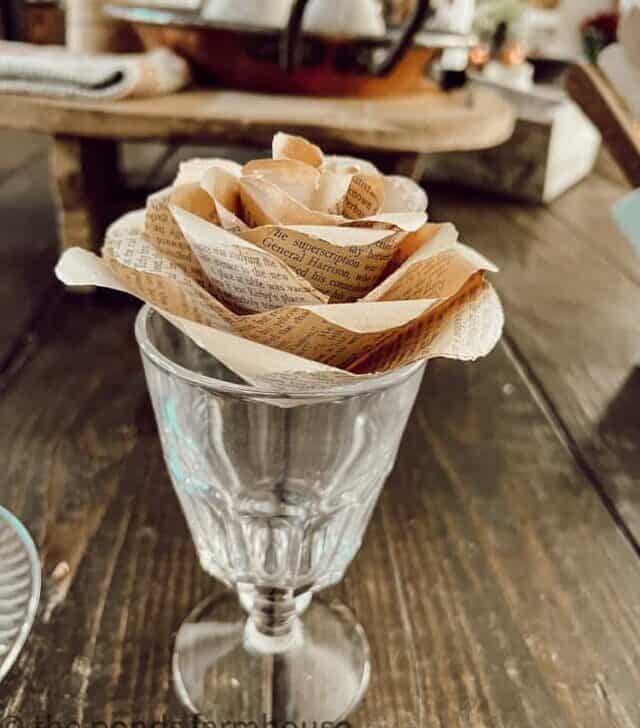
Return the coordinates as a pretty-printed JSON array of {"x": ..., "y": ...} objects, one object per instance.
[
  {"x": 499, "y": 583},
  {"x": 85, "y": 134},
  {"x": 27, "y": 247},
  {"x": 571, "y": 284},
  {"x": 421, "y": 122}
]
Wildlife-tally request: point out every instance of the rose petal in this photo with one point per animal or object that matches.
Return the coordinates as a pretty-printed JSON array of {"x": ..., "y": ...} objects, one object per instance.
[
  {"x": 287, "y": 146},
  {"x": 402, "y": 194}
]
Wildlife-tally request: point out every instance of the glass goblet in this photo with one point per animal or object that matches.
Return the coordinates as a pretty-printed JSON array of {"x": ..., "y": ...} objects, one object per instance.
[{"x": 277, "y": 490}]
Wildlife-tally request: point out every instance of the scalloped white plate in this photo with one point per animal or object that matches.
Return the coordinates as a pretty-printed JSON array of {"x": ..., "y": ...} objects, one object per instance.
[{"x": 20, "y": 584}]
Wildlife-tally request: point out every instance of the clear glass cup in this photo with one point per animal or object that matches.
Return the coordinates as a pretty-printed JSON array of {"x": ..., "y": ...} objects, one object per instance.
[{"x": 277, "y": 490}]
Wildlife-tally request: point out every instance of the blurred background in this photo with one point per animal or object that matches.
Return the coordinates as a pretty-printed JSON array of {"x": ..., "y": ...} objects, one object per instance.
[
  {"x": 510, "y": 99},
  {"x": 520, "y": 49}
]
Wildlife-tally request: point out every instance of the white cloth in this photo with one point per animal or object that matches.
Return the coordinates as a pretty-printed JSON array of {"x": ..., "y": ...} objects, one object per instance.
[{"x": 54, "y": 71}]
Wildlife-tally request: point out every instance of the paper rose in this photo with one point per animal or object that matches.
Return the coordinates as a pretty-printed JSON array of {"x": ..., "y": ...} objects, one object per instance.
[{"x": 300, "y": 267}]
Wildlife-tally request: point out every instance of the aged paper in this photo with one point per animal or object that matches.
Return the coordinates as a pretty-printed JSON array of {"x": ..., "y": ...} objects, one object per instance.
[
  {"x": 332, "y": 334},
  {"x": 223, "y": 188},
  {"x": 399, "y": 194},
  {"x": 300, "y": 271},
  {"x": 469, "y": 328},
  {"x": 155, "y": 278},
  {"x": 403, "y": 195},
  {"x": 263, "y": 203},
  {"x": 287, "y": 146},
  {"x": 300, "y": 181},
  {"x": 466, "y": 327},
  {"x": 343, "y": 263},
  {"x": 339, "y": 335},
  {"x": 438, "y": 268},
  {"x": 335, "y": 263},
  {"x": 193, "y": 170},
  {"x": 161, "y": 229},
  {"x": 244, "y": 276}
]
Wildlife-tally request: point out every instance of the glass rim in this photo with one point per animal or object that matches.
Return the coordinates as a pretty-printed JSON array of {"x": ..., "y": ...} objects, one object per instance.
[{"x": 359, "y": 387}]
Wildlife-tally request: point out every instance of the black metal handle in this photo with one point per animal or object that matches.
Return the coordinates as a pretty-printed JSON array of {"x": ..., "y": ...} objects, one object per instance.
[
  {"x": 291, "y": 41},
  {"x": 291, "y": 46}
]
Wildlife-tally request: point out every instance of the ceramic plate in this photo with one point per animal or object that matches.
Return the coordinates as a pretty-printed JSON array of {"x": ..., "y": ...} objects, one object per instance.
[{"x": 20, "y": 582}]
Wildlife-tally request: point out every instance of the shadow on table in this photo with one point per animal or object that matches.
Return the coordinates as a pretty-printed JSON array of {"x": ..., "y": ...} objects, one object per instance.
[{"x": 619, "y": 441}]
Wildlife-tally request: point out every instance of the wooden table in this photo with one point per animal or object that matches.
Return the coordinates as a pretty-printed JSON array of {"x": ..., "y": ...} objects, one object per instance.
[
  {"x": 499, "y": 582},
  {"x": 86, "y": 135}
]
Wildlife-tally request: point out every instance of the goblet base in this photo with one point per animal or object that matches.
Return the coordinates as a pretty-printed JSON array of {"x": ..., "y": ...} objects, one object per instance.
[{"x": 226, "y": 673}]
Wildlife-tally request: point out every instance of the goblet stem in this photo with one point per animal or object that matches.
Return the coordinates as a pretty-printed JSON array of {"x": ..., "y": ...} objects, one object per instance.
[{"x": 273, "y": 625}]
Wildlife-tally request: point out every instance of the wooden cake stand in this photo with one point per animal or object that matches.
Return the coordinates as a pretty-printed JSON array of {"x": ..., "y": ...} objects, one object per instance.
[{"x": 85, "y": 134}]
